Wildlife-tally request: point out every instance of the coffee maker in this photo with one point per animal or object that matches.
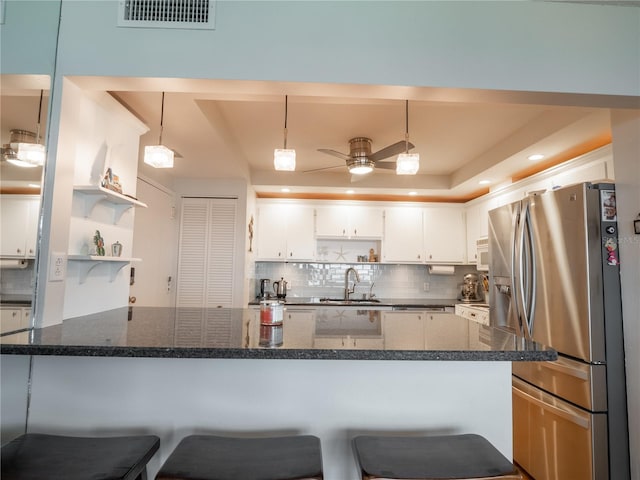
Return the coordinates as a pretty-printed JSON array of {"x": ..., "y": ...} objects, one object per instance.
[
  {"x": 265, "y": 291},
  {"x": 470, "y": 289}
]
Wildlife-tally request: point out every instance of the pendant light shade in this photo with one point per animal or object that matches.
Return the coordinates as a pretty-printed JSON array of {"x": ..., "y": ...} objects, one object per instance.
[
  {"x": 159, "y": 156},
  {"x": 284, "y": 158},
  {"x": 407, "y": 163}
]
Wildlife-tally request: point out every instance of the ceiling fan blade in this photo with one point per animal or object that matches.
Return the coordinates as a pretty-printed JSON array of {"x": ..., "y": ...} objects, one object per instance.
[
  {"x": 343, "y": 156},
  {"x": 386, "y": 165},
  {"x": 391, "y": 150},
  {"x": 323, "y": 168}
]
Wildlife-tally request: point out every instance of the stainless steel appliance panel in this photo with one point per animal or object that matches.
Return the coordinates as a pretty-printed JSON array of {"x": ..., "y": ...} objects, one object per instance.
[
  {"x": 580, "y": 383},
  {"x": 554, "y": 440},
  {"x": 567, "y": 312}
]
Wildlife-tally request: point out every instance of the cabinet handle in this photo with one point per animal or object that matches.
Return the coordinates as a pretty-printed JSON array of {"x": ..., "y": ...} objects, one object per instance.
[
  {"x": 418, "y": 256},
  {"x": 355, "y": 231},
  {"x": 279, "y": 254},
  {"x": 344, "y": 231},
  {"x": 13, "y": 314},
  {"x": 18, "y": 250},
  {"x": 291, "y": 254},
  {"x": 430, "y": 257}
]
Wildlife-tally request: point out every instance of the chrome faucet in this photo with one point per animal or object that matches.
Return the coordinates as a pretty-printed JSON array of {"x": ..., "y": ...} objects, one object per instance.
[{"x": 347, "y": 290}]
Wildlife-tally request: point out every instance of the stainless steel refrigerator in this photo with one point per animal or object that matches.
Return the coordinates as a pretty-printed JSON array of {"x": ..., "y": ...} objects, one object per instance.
[{"x": 554, "y": 277}]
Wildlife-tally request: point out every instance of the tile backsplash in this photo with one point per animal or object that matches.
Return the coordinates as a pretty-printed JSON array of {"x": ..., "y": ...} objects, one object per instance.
[{"x": 309, "y": 279}]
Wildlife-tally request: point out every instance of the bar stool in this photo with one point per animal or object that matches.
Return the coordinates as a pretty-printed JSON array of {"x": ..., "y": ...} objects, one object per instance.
[
  {"x": 209, "y": 457},
  {"x": 469, "y": 456},
  {"x": 35, "y": 456}
]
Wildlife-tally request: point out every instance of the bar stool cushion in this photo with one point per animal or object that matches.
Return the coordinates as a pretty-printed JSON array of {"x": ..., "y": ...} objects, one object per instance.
[
  {"x": 466, "y": 456},
  {"x": 210, "y": 457},
  {"x": 35, "y": 456}
]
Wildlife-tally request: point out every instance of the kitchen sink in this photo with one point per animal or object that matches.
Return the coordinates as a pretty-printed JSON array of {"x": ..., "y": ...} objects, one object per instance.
[{"x": 351, "y": 301}]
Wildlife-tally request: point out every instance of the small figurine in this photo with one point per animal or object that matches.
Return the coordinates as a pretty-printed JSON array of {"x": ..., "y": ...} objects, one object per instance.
[
  {"x": 372, "y": 255},
  {"x": 99, "y": 243}
]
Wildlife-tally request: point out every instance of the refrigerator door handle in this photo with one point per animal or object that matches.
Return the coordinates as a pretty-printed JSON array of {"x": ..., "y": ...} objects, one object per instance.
[
  {"x": 532, "y": 274},
  {"x": 514, "y": 263},
  {"x": 570, "y": 416},
  {"x": 520, "y": 290}
]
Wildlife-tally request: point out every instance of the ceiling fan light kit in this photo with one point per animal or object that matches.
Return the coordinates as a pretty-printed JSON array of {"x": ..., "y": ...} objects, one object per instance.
[
  {"x": 360, "y": 165},
  {"x": 284, "y": 159},
  {"x": 24, "y": 150},
  {"x": 159, "y": 156}
]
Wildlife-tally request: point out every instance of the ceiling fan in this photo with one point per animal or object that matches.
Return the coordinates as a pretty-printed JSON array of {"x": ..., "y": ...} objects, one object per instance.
[{"x": 361, "y": 160}]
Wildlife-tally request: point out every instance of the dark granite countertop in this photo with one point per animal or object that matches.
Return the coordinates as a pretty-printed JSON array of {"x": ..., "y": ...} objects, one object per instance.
[
  {"x": 321, "y": 334},
  {"x": 20, "y": 300}
]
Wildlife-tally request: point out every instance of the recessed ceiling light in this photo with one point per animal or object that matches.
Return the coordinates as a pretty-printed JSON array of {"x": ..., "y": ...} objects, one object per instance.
[
  {"x": 484, "y": 182},
  {"x": 350, "y": 192},
  {"x": 413, "y": 193},
  {"x": 536, "y": 156},
  {"x": 285, "y": 190}
]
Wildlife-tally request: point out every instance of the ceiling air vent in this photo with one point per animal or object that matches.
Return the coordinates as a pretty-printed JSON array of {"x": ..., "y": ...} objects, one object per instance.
[{"x": 188, "y": 14}]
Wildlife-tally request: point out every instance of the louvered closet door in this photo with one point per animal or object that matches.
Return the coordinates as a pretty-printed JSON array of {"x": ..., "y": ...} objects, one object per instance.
[{"x": 207, "y": 250}]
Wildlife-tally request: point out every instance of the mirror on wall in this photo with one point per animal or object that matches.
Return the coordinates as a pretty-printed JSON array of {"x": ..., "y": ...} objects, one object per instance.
[{"x": 24, "y": 101}]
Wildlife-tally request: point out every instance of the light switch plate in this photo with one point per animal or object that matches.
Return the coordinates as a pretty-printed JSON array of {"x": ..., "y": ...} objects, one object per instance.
[{"x": 57, "y": 266}]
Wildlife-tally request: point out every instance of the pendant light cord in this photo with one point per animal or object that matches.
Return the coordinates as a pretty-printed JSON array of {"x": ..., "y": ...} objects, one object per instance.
[
  {"x": 286, "y": 111},
  {"x": 406, "y": 133},
  {"x": 161, "y": 120},
  {"x": 39, "y": 116}
]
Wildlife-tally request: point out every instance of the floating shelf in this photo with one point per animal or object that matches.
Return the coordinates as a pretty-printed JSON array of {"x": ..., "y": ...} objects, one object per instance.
[
  {"x": 89, "y": 262},
  {"x": 94, "y": 194}
]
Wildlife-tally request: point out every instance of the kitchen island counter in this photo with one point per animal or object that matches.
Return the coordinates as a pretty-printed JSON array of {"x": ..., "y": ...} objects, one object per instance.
[
  {"x": 237, "y": 333},
  {"x": 330, "y": 372}
]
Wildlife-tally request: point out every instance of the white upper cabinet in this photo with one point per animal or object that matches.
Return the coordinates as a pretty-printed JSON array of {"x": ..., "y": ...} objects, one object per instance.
[
  {"x": 444, "y": 234},
  {"x": 403, "y": 231},
  {"x": 349, "y": 221},
  {"x": 477, "y": 220},
  {"x": 19, "y": 229},
  {"x": 285, "y": 231}
]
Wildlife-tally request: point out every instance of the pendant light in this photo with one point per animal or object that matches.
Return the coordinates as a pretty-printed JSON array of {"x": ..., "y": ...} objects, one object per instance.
[
  {"x": 284, "y": 158},
  {"x": 407, "y": 163},
  {"x": 25, "y": 149},
  {"x": 159, "y": 156}
]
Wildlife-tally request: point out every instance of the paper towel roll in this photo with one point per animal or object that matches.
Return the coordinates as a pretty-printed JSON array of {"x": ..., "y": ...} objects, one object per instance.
[
  {"x": 10, "y": 263},
  {"x": 442, "y": 269}
]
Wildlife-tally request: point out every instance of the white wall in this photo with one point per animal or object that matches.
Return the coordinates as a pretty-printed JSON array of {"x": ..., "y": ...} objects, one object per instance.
[{"x": 96, "y": 133}]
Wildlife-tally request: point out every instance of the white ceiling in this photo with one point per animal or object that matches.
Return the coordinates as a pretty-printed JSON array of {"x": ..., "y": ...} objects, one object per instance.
[{"x": 230, "y": 128}]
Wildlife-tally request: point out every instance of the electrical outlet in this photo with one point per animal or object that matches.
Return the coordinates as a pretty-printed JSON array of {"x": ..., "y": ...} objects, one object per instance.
[
  {"x": 57, "y": 266},
  {"x": 426, "y": 286}
]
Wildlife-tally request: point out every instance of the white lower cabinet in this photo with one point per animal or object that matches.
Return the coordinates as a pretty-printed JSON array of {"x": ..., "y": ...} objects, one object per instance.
[
  {"x": 298, "y": 328},
  {"x": 14, "y": 318},
  {"x": 444, "y": 331},
  {"x": 403, "y": 330},
  {"x": 480, "y": 315}
]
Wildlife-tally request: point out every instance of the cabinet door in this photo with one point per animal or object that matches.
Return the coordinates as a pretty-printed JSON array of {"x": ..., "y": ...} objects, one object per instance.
[
  {"x": 31, "y": 237},
  {"x": 331, "y": 221},
  {"x": 365, "y": 222},
  {"x": 298, "y": 328},
  {"x": 271, "y": 232},
  {"x": 300, "y": 238},
  {"x": 10, "y": 319},
  {"x": 403, "y": 330},
  {"x": 402, "y": 241},
  {"x": 14, "y": 210},
  {"x": 444, "y": 235}
]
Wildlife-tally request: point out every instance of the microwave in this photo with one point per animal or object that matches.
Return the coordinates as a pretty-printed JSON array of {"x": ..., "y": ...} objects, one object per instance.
[{"x": 482, "y": 254}]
